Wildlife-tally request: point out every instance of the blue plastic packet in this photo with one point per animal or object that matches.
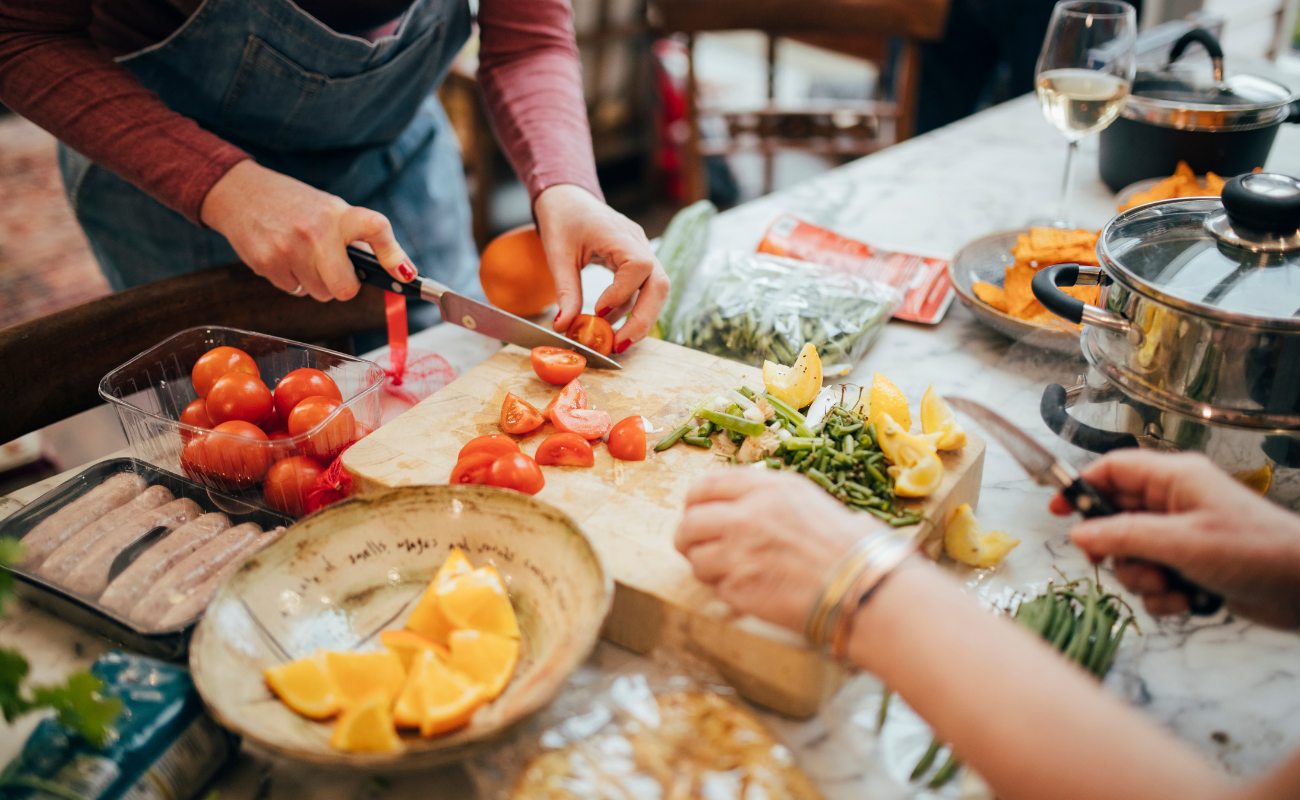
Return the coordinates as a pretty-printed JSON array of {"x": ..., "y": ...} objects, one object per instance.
[{"x": 163, "y": 746}]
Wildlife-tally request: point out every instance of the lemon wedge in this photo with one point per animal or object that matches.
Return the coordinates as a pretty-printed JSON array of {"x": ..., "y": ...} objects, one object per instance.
[
  {"x": 920, "y": 479},
  {"x": 1260, "y": 480},
  {"x": 916, "y": 466},
  {"x": 885, "y": 398},
  {"x": 936, "y": 417},
  {"x": 969, "y": 543},
  {"x": 796, "y": 386}
]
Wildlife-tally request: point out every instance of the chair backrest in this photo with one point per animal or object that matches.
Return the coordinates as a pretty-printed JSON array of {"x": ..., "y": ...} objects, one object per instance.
[{"x": 52, "y": 365}]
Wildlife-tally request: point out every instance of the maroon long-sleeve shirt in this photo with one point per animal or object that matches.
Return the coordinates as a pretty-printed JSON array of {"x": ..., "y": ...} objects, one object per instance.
[{"x": 57, "y": 69}]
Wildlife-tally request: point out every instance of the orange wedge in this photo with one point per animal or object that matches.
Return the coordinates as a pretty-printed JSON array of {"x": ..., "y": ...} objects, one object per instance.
[
  {"x": 427, "y": 618},
  {"x": 305, "y": 686},
  {"x": 436, "y": 699},
  {"x": 367, "y": 727},
  {"x": 478, "y": 600},
  {"x": 407, "y": 643},
  {"x": 357, "y": 676},
  {"x": 485, "y": 658}
]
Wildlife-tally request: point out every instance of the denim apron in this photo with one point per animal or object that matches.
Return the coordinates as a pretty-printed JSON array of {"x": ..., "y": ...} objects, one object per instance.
[{"x": 350, "y": 117}]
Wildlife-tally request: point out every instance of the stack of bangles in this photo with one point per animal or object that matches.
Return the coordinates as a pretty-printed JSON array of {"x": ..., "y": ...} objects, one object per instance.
[{"x": 857, "y": 574}]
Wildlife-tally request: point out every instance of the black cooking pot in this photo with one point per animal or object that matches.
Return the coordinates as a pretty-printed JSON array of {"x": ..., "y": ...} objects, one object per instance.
[{"x": 1226, "y": 126}]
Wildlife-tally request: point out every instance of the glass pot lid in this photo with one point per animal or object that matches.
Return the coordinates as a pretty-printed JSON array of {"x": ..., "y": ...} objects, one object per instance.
[{"x": 1236, "y": 258}]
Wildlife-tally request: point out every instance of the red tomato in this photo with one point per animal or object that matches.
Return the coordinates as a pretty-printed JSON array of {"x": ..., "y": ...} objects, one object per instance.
[
  {"x": 473, "y": 468},
  {"x": 194, "y": 459},
  {"x": 275, "y": 435},
  {"x": 195, "y": 414},
  {"x": 518, "y": 416},
  {"x": 333, "y": 436},
  {"x": 571, "y": 396},
  {"x": 587, "y": 423},
  {"x": 298, "y": 386},
  {"x": 493, "y": 444},
  {"x": 287, "y": 483},
  {"x": 565, "y": 450},
  {"x": 557, "y": 366},
  {"x": 271, "y": 423},
  {"x": 238, "y": 395},
  {"x": 592, "y": 332},
  {"x": 235, "y": 460},
  {"x": 627, "y": 439},
  {"x": 516, "y": 471},
  {"x": 217, "y": 362}
]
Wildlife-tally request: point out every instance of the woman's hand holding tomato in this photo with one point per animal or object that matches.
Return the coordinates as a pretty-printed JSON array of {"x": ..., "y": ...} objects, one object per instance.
[{"x": 592, "y": 332}]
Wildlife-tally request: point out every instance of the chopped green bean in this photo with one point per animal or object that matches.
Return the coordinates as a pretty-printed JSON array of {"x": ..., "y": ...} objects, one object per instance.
[
  {"x": 698, "y": 441},
  {"x": 923, "y": 765},
  {"x": 733, "y": 422}
]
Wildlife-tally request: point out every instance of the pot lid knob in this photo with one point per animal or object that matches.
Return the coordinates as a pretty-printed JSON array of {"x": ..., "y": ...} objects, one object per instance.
[{"x": 1261, "y": 212}]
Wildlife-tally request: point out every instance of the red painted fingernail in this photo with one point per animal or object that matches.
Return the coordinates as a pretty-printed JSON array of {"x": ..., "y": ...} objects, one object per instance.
[
  {"x": 558, "y": 314},
  {"x": 406, "y": 271},
  {"x": 604, "y": 311},
  {"x": 625, "y": 345}
]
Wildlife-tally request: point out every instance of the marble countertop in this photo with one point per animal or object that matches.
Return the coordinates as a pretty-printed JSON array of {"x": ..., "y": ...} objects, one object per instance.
[{"x": 1229, "y": 688}]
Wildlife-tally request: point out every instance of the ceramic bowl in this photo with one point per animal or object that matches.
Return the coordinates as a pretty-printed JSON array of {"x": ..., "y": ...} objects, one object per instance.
[{"x": 343, "y": 574}]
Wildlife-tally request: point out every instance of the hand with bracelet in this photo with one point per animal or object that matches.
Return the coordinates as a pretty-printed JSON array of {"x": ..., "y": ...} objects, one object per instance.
[{"x": 1030, "y": 723}]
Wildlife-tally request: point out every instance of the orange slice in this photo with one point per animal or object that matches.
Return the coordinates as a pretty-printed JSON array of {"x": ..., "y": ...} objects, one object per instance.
[
  {"x": 367, "y": 727},
  {"x": 478, "y": 600},
  {"x": 406, "y": 644},
  {"x": 357, "y": 676},
  {"x": 485, "y": 658},
  {"x": 305, "y": 686},
  {"x": 427, "y": 619},
  {"x": 435, "y": 698}
]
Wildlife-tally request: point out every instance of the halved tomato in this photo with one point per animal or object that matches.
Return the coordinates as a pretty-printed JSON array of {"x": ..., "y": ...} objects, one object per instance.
[
  {"x": 494, "y": 444},
  {"x": 519, "y": 416},
  {"x": 592, "y": 332},
  {"x": 627, "y": 439},
  {"x": 589, "y": 423},
  {"x": 565, "y": 450},
  {"x": 473, "y": 468},
  {"x": 516, "y": 471},
  {"x": 571, "y": 396},
  {"x": 556, "y": 365}
]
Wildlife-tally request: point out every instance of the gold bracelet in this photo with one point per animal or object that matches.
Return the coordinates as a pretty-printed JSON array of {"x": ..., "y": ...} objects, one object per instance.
[
  {"x": 856, "y": 572},
  {"x": 869, "y": 580}
]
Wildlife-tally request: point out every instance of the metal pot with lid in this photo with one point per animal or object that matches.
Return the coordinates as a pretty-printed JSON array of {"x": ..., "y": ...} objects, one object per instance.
[
  {"x": 1216, "y": 123},
  {"x": 1198, "y": 323}
]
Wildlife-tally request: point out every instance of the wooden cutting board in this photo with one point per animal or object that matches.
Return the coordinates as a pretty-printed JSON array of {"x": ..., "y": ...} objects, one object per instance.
[{"x": 631, "y": 509}]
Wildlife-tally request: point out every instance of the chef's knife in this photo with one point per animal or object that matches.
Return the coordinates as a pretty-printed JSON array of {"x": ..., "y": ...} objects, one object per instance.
[
  {"x": 1047, "y": 470},
  {"x": 480, "y": 317}
]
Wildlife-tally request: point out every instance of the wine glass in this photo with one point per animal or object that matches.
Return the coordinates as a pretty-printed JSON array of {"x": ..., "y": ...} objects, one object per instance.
[{"x": 1084, "y": 74}]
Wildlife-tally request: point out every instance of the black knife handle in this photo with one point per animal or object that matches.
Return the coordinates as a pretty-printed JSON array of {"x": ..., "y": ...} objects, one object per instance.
[
  {"x": 1091, "y": 503},
  {"x": 369, "y": 271}
]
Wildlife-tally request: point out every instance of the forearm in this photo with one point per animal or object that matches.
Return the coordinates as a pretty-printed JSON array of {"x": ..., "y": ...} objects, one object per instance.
[{"x": 1029, "y": 722}]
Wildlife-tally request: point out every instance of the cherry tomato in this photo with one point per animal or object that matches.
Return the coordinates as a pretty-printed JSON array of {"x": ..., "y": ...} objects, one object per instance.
[
  {"x": 516, "y": 471},
  {"x": 271, "y": 423},
  {"x": 276, "y": 435},
  {"x": 592, "y": 332},
  {"x": 571, "y": 396},
  {"x": 287, "y": 483},
  {"x": 587, "y": 423},
  {"x": 298, "y": 386},
  {"x": 333, "y": 436},
  {"x": 494, "y": 444},
  {"x": 557, "y": 366},
  {"x": 238, "y": 395},
  {"x": 518, "y": 416},
  {"x": 217, "y": 362},
  {"x": 473, "y": 468},
  {"x": 194, "y": 459},
  {"x": 627, "y": 439},
  {"x": 565, "y": 450},
  {"x": 195, "y": 414},
  {"x": 235, "y": 460}
]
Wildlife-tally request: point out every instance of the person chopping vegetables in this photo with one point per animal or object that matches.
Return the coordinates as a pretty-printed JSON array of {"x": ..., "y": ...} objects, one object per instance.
[
  {"x": 1030, "y": 723},
  {"x": 200, "y": 132}
]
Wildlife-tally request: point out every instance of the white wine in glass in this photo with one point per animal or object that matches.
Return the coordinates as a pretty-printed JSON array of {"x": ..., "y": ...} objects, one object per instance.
[{"x": 1084, "y": 74}]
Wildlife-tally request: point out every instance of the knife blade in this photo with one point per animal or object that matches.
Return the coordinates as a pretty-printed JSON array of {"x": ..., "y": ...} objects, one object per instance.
[
  {"x": 1047, "y": 470},
  {"x": 469, "y": 313}
]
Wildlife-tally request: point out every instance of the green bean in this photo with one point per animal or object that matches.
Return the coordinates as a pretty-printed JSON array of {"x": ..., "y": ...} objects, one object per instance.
[
  {"x": 698, "y": 441},
  {"x": 926, "y": 760},
  {"x": 707, "y": 429},
  {"x": 902, "y": 522},
  {"x": 876, "y": 475},
  {"x": 803, "y": 443},
  {"x": 884, "y": 709},
  {"x": 733, "y": 422},
  {"x": 746, "y": 391},
  {"x": 848, "y": 445},
  {"x": 676, "y": 433},
  {"x": 945, "y": 772},
  {"x": 792, "y": 416},
  {"x": 821, "y": 479}
]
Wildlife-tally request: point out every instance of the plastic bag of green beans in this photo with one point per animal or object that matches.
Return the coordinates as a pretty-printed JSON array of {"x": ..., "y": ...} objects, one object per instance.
[{"x": 752, "y": 307}]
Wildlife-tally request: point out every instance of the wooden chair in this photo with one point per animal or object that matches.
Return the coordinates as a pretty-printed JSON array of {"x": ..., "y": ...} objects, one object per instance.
[
  {"x": 862, "y": 28},
  {"x": 53, "y": 364}
]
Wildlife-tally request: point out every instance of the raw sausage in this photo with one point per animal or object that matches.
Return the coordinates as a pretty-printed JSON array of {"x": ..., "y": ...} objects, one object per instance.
[
  {"x": 58, "y": 527},
  {"x": 68, "y": 555},
  {"x": 196, "y": 600},
  {"x": 127, "y": 589},
  {"x": 194, "y": 570},
  {"x": 90, "y": 578}
]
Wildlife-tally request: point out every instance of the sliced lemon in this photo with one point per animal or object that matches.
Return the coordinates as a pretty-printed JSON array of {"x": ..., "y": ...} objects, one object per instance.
[
  {"x": 902, "y": 448},
  {"x": 796, "y": 386},
  {"x": 969, "y": 543},
  {"x": 305, "y": 686},
  {"x": 886, "y": 398},
  {"x": 367, "y": 727},
  {"x": 1260, "y": 480},
  {"x": 936, "y": 417},
  {"x": 921, "y": 479}
]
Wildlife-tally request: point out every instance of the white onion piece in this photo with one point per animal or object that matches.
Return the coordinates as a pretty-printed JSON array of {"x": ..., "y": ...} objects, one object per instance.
[{"x": 739, "y": 399}]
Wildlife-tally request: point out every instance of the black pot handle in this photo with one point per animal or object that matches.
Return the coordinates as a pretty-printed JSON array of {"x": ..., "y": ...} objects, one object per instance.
[
  {"x": 1263, "y": 201},
  {"x": 1201, "y": 35},
  {"x": 1045, "y": 283},
  {"x": 1294, "y": 116},
  {"x": 1095, "y": 440}
]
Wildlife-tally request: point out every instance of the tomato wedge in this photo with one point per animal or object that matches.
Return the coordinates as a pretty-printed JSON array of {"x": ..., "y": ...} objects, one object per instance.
[
  {"x": 565, "y": 450},
  {"x": 516, "y": 471},
  {"x": 592, "y": 332},
  {"x": 627, "y": 439},
  {"x": 589, "y": 423},
  {"x": 494, "y": 444},
  {"x": 473, "y": 468},
  {"x": 556, "y": 365},
  {"x": 570, "y": 396},
  {"x": 519, "y": 416}
]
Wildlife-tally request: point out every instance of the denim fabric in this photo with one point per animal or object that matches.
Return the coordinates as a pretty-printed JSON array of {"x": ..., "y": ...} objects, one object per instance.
[{"x": 350, "y": 117}]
